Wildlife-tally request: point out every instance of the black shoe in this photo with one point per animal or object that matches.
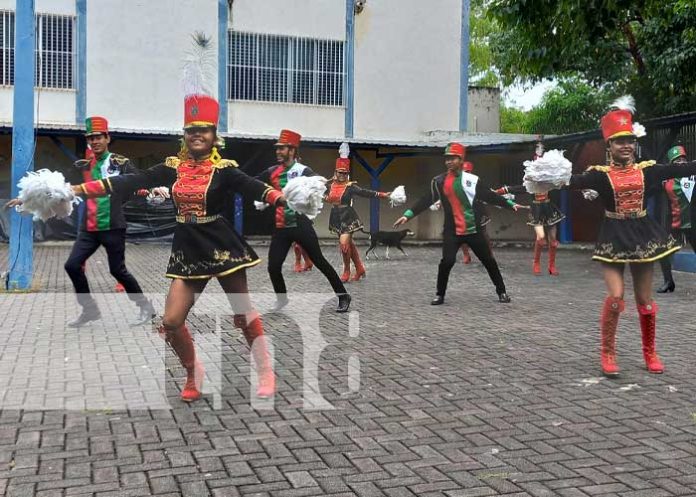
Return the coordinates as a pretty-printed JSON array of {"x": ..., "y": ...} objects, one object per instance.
[
  {"x": 282, "y": 301},
  {"x": 146, "y": 315},
  {"x": 438, "y": 300},
  {"x": 85, "y": 317},
  {"x": 669, "y": 286},
  {"x": 504, "y": 298},
  {"x": 343, "y": 302}
]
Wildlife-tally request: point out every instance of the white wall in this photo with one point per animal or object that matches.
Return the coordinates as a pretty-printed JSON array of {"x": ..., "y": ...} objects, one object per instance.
[
  {"x": 303, "y": 18},
  {"x": 407, "y": 68},
  {"x": 134, "y": 59},
  {"x": 63, "y": 7},
  {"x": 269, "y": 119}
]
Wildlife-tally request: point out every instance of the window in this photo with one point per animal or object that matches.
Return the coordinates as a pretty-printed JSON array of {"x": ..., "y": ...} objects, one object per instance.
[
  {"x": 273, "y": 68},
  {"x": 55, "y": 50},
  {"x": 7, "y": 40}
]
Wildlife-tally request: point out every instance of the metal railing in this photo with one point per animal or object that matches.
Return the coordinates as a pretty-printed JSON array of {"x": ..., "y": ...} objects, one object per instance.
[{"x": 272, "y": 68}]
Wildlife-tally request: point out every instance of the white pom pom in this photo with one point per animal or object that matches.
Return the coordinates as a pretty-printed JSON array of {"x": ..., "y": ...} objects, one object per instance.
[
  {"x": 590, "y": 194},
  {"x": 344, "y": 151},
  {"x": 305, "y": 194},
  {"x": 45, "y": 194},
  {"x": 398, "y": 196},
  {"x": 436, "y": 206},
  {"x": 627, "y": 102},
  {"x": 549, "y": 172},
  {"x": 260, "y": 205},
  {"x": 508, "y": 196},
  {"x": 639, "y": 130}
]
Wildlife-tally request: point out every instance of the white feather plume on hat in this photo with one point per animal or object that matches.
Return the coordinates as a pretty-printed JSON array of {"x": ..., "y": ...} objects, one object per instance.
[
  {"x": 344, "y": 151},
  {"x": 198, "y": 66},
  {"x": 626, "y": 102}
]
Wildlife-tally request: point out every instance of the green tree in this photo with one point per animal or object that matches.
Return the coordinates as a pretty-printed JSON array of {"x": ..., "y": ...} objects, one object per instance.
[
  {"x": 482, "y": 72},
  {"x": 643, "y": 47}
]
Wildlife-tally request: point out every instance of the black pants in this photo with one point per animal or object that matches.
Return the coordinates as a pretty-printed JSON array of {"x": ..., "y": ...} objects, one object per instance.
[
  {"x": 479, "y": 245},
  {"x": 87, "y": 243},
  {"x": 304, "y": 234},
  {"x": 666, "y": 262}
]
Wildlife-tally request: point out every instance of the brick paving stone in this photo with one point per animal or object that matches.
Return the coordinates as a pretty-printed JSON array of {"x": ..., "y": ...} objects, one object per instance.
[{"x": 470, "y": 399}]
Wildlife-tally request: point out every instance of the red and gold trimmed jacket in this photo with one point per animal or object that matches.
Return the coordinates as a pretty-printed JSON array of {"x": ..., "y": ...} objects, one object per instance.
[
  {"x": 342, "y": 193},
  {"x": 199, "y": 189}
]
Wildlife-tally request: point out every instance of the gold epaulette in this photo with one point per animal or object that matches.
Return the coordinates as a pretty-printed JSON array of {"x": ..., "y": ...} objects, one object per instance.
[
  {"x": 172, "y": 162},
  {"x": 119, "y": 159},
  {"x": 225, "y": 163},
  {"x": 643, "y": 165},
  {"x": 604, "y": 169}
]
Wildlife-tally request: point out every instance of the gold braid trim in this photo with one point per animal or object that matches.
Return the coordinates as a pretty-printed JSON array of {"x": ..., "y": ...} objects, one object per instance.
[
  {"x": 639, "y": 165},
  {"x": 172, "y": 162},
  {"x": 225, "y": 163},
  {"x": 119, "y": 159}
]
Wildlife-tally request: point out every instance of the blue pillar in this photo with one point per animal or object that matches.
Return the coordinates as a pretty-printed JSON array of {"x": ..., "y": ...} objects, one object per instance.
[
  {"x": 21, "y": 228},
  {"x": 349, "y": 62},
  {"x": 223, "y": 20},
  {"x": 375, "y": 185},
  {"x": 565, "y": 234},
  {"x": 464, "y": 69},
  {"x": 81, "y": 94}
]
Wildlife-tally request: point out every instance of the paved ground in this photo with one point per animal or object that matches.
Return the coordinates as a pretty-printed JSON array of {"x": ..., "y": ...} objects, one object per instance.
[{"x": 473, "y": 398}]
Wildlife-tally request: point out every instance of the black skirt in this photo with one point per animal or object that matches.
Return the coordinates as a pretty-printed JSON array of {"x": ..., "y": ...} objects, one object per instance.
[
  {"x": 633, "y": 240},
  {"x": 545, "y": 214},
  {"x": 208, "y": 250},
  {"x": 343, "y": 219}
]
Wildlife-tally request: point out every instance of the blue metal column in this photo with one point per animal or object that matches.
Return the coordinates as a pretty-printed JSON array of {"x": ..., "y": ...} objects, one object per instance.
[
  {"x": 81, "y": 94},
  {"x": 375, "y": 185},
  {"x": 565, "y": 234},
  {"x": 21, "y": 228},
  {"x": 349, "y": 67},
  {"x": 464, "y": 69}
]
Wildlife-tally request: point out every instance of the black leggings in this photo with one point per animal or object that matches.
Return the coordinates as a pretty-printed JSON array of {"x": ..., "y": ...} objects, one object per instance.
[
  {"x": 666, "y": 262},
  {"x": 304, "y": 234},
  {"x": 479, "y": 245}
]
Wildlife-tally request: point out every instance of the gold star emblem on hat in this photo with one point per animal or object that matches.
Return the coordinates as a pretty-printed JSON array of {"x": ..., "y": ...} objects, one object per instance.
[{"x": 623, "y": 121}]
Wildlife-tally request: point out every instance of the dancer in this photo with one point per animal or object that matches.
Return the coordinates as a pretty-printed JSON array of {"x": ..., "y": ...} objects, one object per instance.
[
  {"x": 292, "y": 226},
  {"x": 545, "y": 215},
  {"x": 343, "y": 220},
  {"x": 628, "y": 235},
  {"x": 205, "y": 244},
  {"x": 458, "y": 191},
  {"x": 103, "y": 224},
  {"x": 680, "y": 197}
]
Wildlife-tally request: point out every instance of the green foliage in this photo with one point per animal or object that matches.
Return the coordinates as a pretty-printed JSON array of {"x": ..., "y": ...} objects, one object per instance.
[
  {"x": 643, "y": 47},
  {"x": 512, "y": 120},
  {"x": 481, "y": 69}
]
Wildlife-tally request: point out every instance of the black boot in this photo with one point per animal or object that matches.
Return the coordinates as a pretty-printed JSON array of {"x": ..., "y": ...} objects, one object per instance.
[
  {"x": 504, "y": 298},
  {"x": 667, "y": 287},
  {"x": 438, "y": 300},
  {"x": 343, "y": 302}
]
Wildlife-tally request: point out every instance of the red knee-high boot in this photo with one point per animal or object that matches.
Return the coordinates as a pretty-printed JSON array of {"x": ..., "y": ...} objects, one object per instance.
[
  {"x": 182, "y": 344},
  {"x": 298, "y": 257},
  {"x": 345, "y": 254},
  {"x": 612, "y": 309},
  {"x": 648, "y": 318},
  {"x": 253, "y": 333},
  {"x": 553, "y": 246},
  {"x": 359, "y": 267},
  {"x": 538, "y": 247},
  {"x": 308, "y": 264}
]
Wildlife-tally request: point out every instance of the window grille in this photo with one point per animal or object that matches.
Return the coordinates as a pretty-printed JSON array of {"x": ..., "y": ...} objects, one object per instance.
[
  {"x": 55, "y": 58},
  {"x": 273, "y": 68}
]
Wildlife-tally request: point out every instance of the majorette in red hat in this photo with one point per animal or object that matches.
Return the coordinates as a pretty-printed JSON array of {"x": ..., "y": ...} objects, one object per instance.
[
  {"x": 619, "y": 120},
  {"x": 200, "y": 109},
  {"x": 343, "y": 161},
  {"x": 96, "y": 125}
]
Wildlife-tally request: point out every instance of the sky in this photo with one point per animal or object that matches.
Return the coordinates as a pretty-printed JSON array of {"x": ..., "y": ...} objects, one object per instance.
[{"x": 526, "y": 98}]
